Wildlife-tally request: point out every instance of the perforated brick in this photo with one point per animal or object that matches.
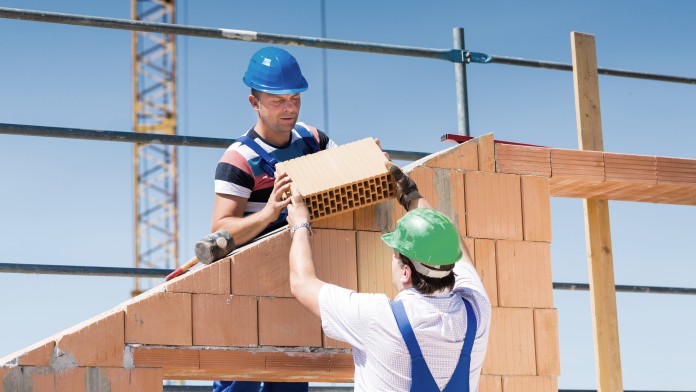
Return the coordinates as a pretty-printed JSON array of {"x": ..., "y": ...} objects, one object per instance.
[{"x": 341, "y": 179}]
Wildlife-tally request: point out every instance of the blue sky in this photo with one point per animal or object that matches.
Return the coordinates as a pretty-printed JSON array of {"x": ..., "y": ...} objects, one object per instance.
[{"x": 71, "y": 202}]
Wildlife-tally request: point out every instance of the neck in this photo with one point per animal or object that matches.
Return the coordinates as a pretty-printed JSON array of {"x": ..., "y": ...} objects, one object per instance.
[{"x": 273, "y": 137}]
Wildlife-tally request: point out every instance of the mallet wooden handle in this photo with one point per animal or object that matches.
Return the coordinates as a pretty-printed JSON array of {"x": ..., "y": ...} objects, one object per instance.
[{"x": 182, "y": 269}]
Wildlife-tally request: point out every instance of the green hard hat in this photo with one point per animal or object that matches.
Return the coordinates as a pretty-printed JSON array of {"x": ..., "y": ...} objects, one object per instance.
[{"x": 427, "y": 236}]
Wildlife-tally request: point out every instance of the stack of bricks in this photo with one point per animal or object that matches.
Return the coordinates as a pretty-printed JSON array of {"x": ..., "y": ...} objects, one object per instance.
[
  {"x": 237, "y": 319},
  {"x": 603, "y": 175}
]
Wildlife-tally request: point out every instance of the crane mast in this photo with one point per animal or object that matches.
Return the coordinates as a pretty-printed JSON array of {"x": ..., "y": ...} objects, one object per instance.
[{"x": 154, "y": 165}]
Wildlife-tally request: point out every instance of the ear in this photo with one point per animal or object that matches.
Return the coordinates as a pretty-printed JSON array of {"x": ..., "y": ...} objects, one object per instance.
[
  {"x": 405, "y": 278},
  {"x": 254, "y": 102}
]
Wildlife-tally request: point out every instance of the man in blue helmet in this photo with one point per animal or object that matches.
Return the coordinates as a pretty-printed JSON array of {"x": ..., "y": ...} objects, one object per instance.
[
  {"x": 440, "y": 318},
  {"x": 248, "y": 195}
]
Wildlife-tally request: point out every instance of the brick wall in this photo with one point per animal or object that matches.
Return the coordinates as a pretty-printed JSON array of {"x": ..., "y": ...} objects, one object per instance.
[{"x": 236, "y": 318}]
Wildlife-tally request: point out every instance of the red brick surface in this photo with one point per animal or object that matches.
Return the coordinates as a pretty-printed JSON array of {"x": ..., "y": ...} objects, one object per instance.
[
  {"x": 511, "y": 343},
  {"x": 493, "y": 205},
  {"x": 98, "y": 343},
  {"x": 211, "y": 279},
  {"x": 486, "y": 268},
  {"x": 285, "y": 322},
  {"x": 546, "y": 342},
  {"x": 224, "y": 320},
  {"x": 530, "y": 384},
  {"x": 536, "y": 208},
  {"x": 524, "y": 274},
  {"x": 163, "y": 318},
  {"x": 374, "y": 264}
]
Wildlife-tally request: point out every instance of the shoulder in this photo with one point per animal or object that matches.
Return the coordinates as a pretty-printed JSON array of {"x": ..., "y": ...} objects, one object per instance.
[
  {"x": 324, "y": 140},
  {"x": 335, "y": 299}
]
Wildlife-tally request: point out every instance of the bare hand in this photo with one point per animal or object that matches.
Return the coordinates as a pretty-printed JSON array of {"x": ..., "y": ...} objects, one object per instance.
[
  {"x": 276, "y": 204},
  {"x": 297, "y": 210}
]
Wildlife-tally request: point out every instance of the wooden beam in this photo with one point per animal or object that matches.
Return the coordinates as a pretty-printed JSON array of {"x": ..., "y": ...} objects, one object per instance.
[{"x": 597, "y": 228}]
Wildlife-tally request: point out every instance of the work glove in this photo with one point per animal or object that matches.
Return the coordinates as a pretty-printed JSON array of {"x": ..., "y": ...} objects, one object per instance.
[{"x": 406, "y": 189}]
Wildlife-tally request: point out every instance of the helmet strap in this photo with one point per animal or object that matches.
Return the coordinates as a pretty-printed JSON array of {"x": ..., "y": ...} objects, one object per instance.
[{"x": 430, "y": 272}]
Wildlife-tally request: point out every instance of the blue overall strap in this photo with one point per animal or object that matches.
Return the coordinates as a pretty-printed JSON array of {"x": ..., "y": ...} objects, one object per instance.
[
  {"x": 267, "y": 161},
  {"x": 421, "y": 377},
  {"x": 460, "y": 378},
  {"x": 308, "y": 138}
]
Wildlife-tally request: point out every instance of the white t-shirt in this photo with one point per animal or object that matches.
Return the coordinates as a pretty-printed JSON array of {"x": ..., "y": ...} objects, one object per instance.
[{"x": 382, "y": 361}]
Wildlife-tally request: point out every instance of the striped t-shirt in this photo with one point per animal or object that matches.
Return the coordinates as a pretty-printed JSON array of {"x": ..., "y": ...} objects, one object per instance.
[{"x": 240, "y": 174}]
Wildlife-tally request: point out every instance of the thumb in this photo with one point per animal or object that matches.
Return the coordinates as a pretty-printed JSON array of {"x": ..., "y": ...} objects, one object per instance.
[{"x": 296, "y": 197}]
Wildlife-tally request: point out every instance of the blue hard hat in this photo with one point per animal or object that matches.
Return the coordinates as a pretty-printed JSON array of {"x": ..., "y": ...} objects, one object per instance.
[{"x": 274, "y": 71}]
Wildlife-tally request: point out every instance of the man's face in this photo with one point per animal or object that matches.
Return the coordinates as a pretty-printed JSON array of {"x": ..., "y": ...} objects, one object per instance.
[{"x": 278, "y": 113}]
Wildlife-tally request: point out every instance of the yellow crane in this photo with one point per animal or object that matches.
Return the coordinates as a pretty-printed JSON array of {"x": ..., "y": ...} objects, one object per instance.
[{"x": 155, "y": 165}]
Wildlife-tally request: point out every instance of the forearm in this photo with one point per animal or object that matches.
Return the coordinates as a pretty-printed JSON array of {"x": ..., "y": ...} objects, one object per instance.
[
  {"x": 243, "y": 229},
  {"x": 418, "y": 203},
  {"x": 304, "y": 283}
]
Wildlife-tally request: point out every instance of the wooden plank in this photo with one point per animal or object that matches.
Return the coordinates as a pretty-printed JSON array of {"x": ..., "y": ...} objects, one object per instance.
[{"x": 600, "y": 259}]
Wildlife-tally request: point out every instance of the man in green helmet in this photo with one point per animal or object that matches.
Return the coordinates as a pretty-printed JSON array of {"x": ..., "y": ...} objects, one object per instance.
[{"x": 440, "y": 318}]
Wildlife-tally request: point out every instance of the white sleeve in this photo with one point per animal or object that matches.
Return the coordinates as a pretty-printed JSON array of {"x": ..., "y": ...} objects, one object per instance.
[
  {"x": 466, "y": 277},
  {"x": 346, "y": 315}
]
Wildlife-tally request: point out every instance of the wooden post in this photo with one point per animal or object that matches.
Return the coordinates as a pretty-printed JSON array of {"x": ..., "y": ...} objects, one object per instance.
[{"x": 599, "y": 252}]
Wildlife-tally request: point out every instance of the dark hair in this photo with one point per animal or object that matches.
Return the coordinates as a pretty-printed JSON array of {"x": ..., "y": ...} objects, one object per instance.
[
  {"x": 255, "y": 93},
  {"x": 425, "y": 284}
]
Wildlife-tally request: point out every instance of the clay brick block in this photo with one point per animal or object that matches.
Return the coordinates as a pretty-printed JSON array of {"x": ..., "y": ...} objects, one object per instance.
[
  {"x": 546, "y": 342},
  {"x": 632, "y": 168},
  {"x": 577, "y": 164},
  {"x": 425, "y": 179},
  {"x": 527, "y": 160},
  {"x": 45, "y": 381},
  {"x": 444, "y": 189},
  {"x": 334, "y": 343},
  {"x": 38, "y": 354},
  {"x": 374, "y": 265},
  {"x": 224, "y": 320},
  {"x": 524, "y": 274},
  {"x": 342, "y": 178},
  {"x": 124, "y": 380},
  {"x": 342, "y": 367},
  {"x": 511, "y": 343},
  {"x": 285, "y": 365},
  {"x": 379, "y": 217},
  {"x": 210, "y": 279},
  {"x": 340, "y": 221},
  {"x": 530, "y": 384},
  {"x": 676, "y": 171},
  {"x": 285, "y": 322},
  {"x": 163, "y": 318},
  {"x": 335, "y": 258},
  {"x": 486, "y": 268},
  {"x": 536, "y": 209},
  {"x": 463, "y": 156},
  {"x": 455, "y": 208},
  {"x": 490, "y": 384},
  {"x": 486, "y": 152},
  {"x": 96, "y": 342},
  {"x": 469, "y": 245},
  {"x": 169, "y": 359},
  {"x": 262, "y": 269},
  {"x": 493, "y": 205},
  {"x": 30, "y": 378},
  {"x": 232, "y": 360}
]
